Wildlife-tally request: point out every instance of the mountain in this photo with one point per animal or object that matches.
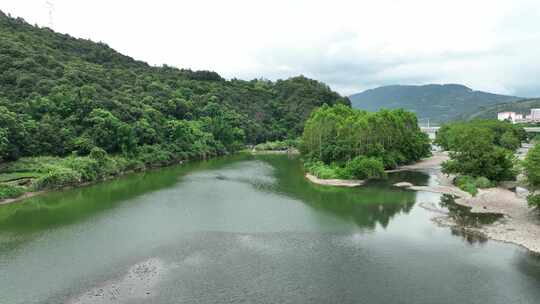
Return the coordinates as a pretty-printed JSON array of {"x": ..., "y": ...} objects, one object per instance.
[
  {"x": 433, "y": 101},
  {"x": 61, "y": 95},
  {"x": 522, "y": 106}
]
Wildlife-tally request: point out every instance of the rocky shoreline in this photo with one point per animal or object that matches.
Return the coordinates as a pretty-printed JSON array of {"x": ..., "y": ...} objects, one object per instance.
[{"x": 518, "y": 225}]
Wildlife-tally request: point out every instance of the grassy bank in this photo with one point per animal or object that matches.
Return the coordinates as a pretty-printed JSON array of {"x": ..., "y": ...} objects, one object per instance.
[
  {"x": 359, "y": 168},
  {"x": 32, "y": 174}
]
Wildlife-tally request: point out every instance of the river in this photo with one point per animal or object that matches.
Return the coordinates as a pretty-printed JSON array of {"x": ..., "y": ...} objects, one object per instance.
[{"x": 249, "y": 229}]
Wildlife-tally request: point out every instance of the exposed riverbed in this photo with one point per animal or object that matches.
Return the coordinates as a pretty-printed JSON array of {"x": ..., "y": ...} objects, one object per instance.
[{"x": 250, "y": 229}]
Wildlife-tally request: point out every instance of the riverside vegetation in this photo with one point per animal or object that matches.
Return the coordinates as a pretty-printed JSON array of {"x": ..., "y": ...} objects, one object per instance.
[
  {"x": 343, "y": 143},
  {"x": 481, "y": 152},
  {"x": 95, "y": 113},
  {"x": 532, "y": 172},
  {"x": 278, "y": 145}
]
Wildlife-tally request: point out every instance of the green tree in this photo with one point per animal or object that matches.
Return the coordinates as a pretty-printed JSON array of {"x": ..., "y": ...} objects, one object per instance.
[
  {"x": 104, "y": 129},
  {"x": 532, "y": 166},
  {"x": 475, "y": 154},
  {"x": 4, "y": 142},
  {"x": 60, "y": 94}
]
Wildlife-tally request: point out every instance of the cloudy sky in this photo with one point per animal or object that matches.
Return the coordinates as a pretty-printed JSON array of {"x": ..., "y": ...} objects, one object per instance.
[{"x": 491, "y": 45}]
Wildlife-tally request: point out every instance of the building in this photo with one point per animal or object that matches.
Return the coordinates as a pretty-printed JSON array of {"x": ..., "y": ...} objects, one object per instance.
[
  {"x": 511, "y": 116},
  {"x": 514, "y": 117},
  {"x": 535, "y": 114}
]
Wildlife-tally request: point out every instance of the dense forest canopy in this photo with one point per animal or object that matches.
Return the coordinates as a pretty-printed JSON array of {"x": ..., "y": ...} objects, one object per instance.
[{"x": 61, "y": 95}]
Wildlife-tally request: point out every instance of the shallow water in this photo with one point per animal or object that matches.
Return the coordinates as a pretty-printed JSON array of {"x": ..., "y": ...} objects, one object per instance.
[{"x": 250, "y": 229}]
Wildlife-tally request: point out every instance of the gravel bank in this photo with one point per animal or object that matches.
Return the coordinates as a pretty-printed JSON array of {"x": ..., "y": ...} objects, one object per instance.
[
  {"x": 335, "y": 182},
  {"x": 519, "y": 225}
]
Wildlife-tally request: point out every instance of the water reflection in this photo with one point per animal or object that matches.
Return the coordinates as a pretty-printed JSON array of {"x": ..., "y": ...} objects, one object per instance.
[
  {"x": 367, "y": 206},
  {"x": 471, "y": 237},
  {"x": 465, "y": 219},
  {"x": 59, "y": 208}
]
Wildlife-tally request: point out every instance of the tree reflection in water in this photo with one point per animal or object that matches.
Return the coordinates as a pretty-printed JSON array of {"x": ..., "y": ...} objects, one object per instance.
[
  {"x": 465, "y": 220},
  {"x": 375, "y": 203}
]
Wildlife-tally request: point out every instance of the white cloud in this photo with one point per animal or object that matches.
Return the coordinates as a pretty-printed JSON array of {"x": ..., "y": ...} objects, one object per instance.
[{"x": 351, "y": 45}]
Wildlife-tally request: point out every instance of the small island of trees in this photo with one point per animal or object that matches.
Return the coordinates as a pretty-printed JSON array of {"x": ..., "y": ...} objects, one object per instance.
[{"x": 344, "y": 143}]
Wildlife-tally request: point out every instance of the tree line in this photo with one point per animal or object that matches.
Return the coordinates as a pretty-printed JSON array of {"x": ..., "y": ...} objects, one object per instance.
[
  {"x": 60, "y": 95},
  {"x": 341, "y": 142}
]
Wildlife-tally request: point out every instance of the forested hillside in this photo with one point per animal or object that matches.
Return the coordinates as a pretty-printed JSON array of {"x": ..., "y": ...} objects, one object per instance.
[
  {"x": 523, "y": 106},
  {"x": 60, "y": 95},
  {"x": 439, "y": 103}
]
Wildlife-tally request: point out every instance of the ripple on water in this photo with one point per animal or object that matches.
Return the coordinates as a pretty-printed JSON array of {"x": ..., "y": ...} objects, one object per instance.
[{"x": 138, "y": 283}]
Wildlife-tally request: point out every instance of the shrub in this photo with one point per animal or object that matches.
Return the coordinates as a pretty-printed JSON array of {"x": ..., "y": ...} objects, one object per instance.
[
  {"x": 89, "y": 168},
  {"x": 362, "y": 167},
  {"x": 392, "y": 159},
  {"x": 532, "y": 166},
  {"x": 321, "y": 170},
  {"x": 98, "y": 154},
  {"x": 154, "y": 155},
  {"x": 467, "y": 184},
  {"x": 10, "y": 191},
  {"x": 275, "y": 145},
  {"x": 483, "y": 182},
  {"x": 534, "y": 200},
  {"x": 57, "y": 177}
]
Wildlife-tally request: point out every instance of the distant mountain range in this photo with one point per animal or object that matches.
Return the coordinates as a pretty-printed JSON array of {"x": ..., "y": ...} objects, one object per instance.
[
  {"x": 521, "y": 106},
  {"x": 438, "y": 103}
]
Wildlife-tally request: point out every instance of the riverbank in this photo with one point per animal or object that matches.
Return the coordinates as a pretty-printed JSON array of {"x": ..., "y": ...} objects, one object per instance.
[
  {"x": 20, "y": 198},
  {"x": 263, "y": 152},
  {"x": 83, "y": 171},
  {"x": 57, "y": 173},
  {"x": 519, "y": 224},
  {"x": 432, "y": 162},
  {"x": 335, "y": 182}
]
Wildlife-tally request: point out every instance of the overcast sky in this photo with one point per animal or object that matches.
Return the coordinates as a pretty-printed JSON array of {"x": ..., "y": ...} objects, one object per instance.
[{"x": 491, "y": 45}]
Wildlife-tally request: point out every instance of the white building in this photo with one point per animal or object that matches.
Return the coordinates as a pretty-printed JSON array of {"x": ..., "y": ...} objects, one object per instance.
[
  {"x": 511, "y": 116},
  {"x": 535, "y": 114}
]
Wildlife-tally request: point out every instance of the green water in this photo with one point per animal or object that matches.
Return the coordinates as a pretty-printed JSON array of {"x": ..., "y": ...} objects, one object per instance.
[{"x": 247, "y": 229}]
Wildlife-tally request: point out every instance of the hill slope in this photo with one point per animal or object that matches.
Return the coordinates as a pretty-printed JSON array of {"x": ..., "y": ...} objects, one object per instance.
[
  {"x": 436, "y": 102},
  {"x": 59, "y": 95},
  {"x": 520, "y": 106}
]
